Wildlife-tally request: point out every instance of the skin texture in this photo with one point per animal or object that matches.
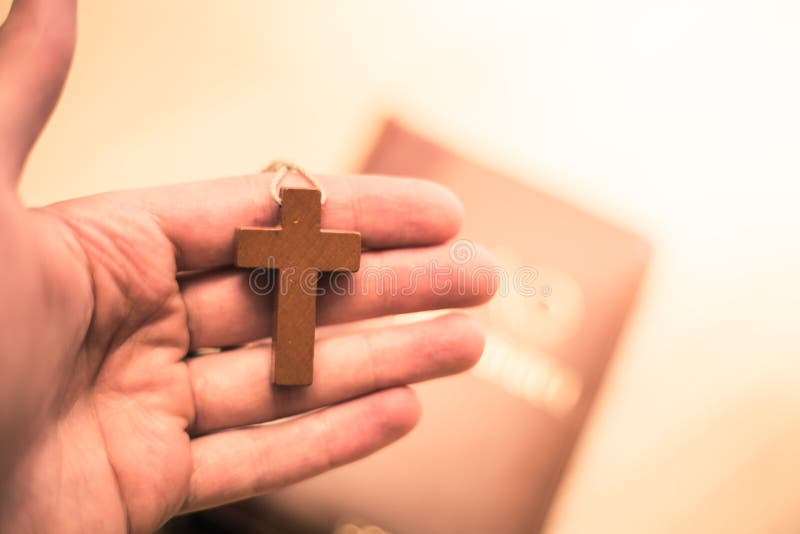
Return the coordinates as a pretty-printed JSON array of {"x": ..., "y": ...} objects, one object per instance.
[{"x": 105, "y": 425}]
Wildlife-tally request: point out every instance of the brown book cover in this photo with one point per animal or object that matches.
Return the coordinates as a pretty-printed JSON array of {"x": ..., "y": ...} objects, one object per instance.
[{"x": 493, "y": 444}]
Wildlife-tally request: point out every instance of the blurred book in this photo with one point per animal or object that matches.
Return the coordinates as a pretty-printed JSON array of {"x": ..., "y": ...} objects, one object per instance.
[{"x": 493, "y": 444}]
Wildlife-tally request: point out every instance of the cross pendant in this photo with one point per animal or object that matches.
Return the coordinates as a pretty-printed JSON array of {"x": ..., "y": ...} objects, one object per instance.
[{"x": 299, "y": 250}]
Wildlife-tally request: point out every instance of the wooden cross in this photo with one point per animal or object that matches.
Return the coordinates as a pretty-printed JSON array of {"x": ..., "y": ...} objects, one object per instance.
[{"x": 299, "y": 250}]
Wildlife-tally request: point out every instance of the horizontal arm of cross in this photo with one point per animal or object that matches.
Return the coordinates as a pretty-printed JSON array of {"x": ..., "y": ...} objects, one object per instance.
[{"x": 328, "y": 250}]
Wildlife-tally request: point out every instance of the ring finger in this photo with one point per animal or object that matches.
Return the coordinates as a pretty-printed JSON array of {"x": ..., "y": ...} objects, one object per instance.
[{"x": 233, "y": 388}]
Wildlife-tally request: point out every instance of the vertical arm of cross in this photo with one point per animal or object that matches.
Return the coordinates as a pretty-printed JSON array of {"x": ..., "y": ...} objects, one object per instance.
[{"x": 293, "y": 322}]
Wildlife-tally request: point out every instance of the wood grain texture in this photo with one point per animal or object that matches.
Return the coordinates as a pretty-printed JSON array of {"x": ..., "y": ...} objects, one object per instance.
[{"x": 299, "y": 250}]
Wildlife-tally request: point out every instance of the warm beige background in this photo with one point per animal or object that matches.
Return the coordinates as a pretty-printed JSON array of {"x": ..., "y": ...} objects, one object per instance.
[{"x": 677, "y": 118}]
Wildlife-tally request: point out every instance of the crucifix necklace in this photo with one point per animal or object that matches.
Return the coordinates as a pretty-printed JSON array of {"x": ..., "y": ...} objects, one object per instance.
[{"x": 298, "y": 250}]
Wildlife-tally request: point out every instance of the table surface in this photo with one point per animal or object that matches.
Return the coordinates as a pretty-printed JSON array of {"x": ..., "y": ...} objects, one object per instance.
[{"x": 677, "y": 119}]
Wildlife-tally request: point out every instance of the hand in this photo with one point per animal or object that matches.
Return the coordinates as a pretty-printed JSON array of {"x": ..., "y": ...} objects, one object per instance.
[{"x": 106, "y": 425}]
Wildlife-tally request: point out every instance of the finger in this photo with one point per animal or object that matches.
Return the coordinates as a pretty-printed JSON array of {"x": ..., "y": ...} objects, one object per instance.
[
  {"x": 200, "y": 218},
  {"x": 233, "y": 388},
  {"x": 223, "y": 310},
  {"x": 36, "y": 46},
  {"x": 234, "y": 465}
]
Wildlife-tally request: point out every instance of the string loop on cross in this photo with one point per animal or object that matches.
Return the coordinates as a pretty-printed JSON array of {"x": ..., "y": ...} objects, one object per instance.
[{"x": 281, "y": 169}]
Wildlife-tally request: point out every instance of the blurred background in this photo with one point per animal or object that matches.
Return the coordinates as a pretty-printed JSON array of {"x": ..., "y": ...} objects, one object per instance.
[{"x": 678, "y": 120}]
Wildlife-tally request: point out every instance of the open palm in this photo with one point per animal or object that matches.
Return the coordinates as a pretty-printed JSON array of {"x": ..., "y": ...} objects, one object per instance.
[{"x": 105, "y": 424}]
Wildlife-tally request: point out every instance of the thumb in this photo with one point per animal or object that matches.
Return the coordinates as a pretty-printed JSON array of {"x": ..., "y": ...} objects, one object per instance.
[{"x": 37, "y": 42}]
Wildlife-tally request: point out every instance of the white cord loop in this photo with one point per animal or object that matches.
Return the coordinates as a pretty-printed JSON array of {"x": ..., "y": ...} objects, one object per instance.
[{"x": 281, "y": 169}]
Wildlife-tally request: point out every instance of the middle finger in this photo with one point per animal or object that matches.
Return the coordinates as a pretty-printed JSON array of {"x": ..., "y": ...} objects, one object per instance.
[{"x": 224, "y": 310}]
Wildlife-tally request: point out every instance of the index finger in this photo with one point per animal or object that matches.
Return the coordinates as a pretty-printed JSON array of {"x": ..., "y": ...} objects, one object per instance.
[{"x": 200, "y": 218}]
